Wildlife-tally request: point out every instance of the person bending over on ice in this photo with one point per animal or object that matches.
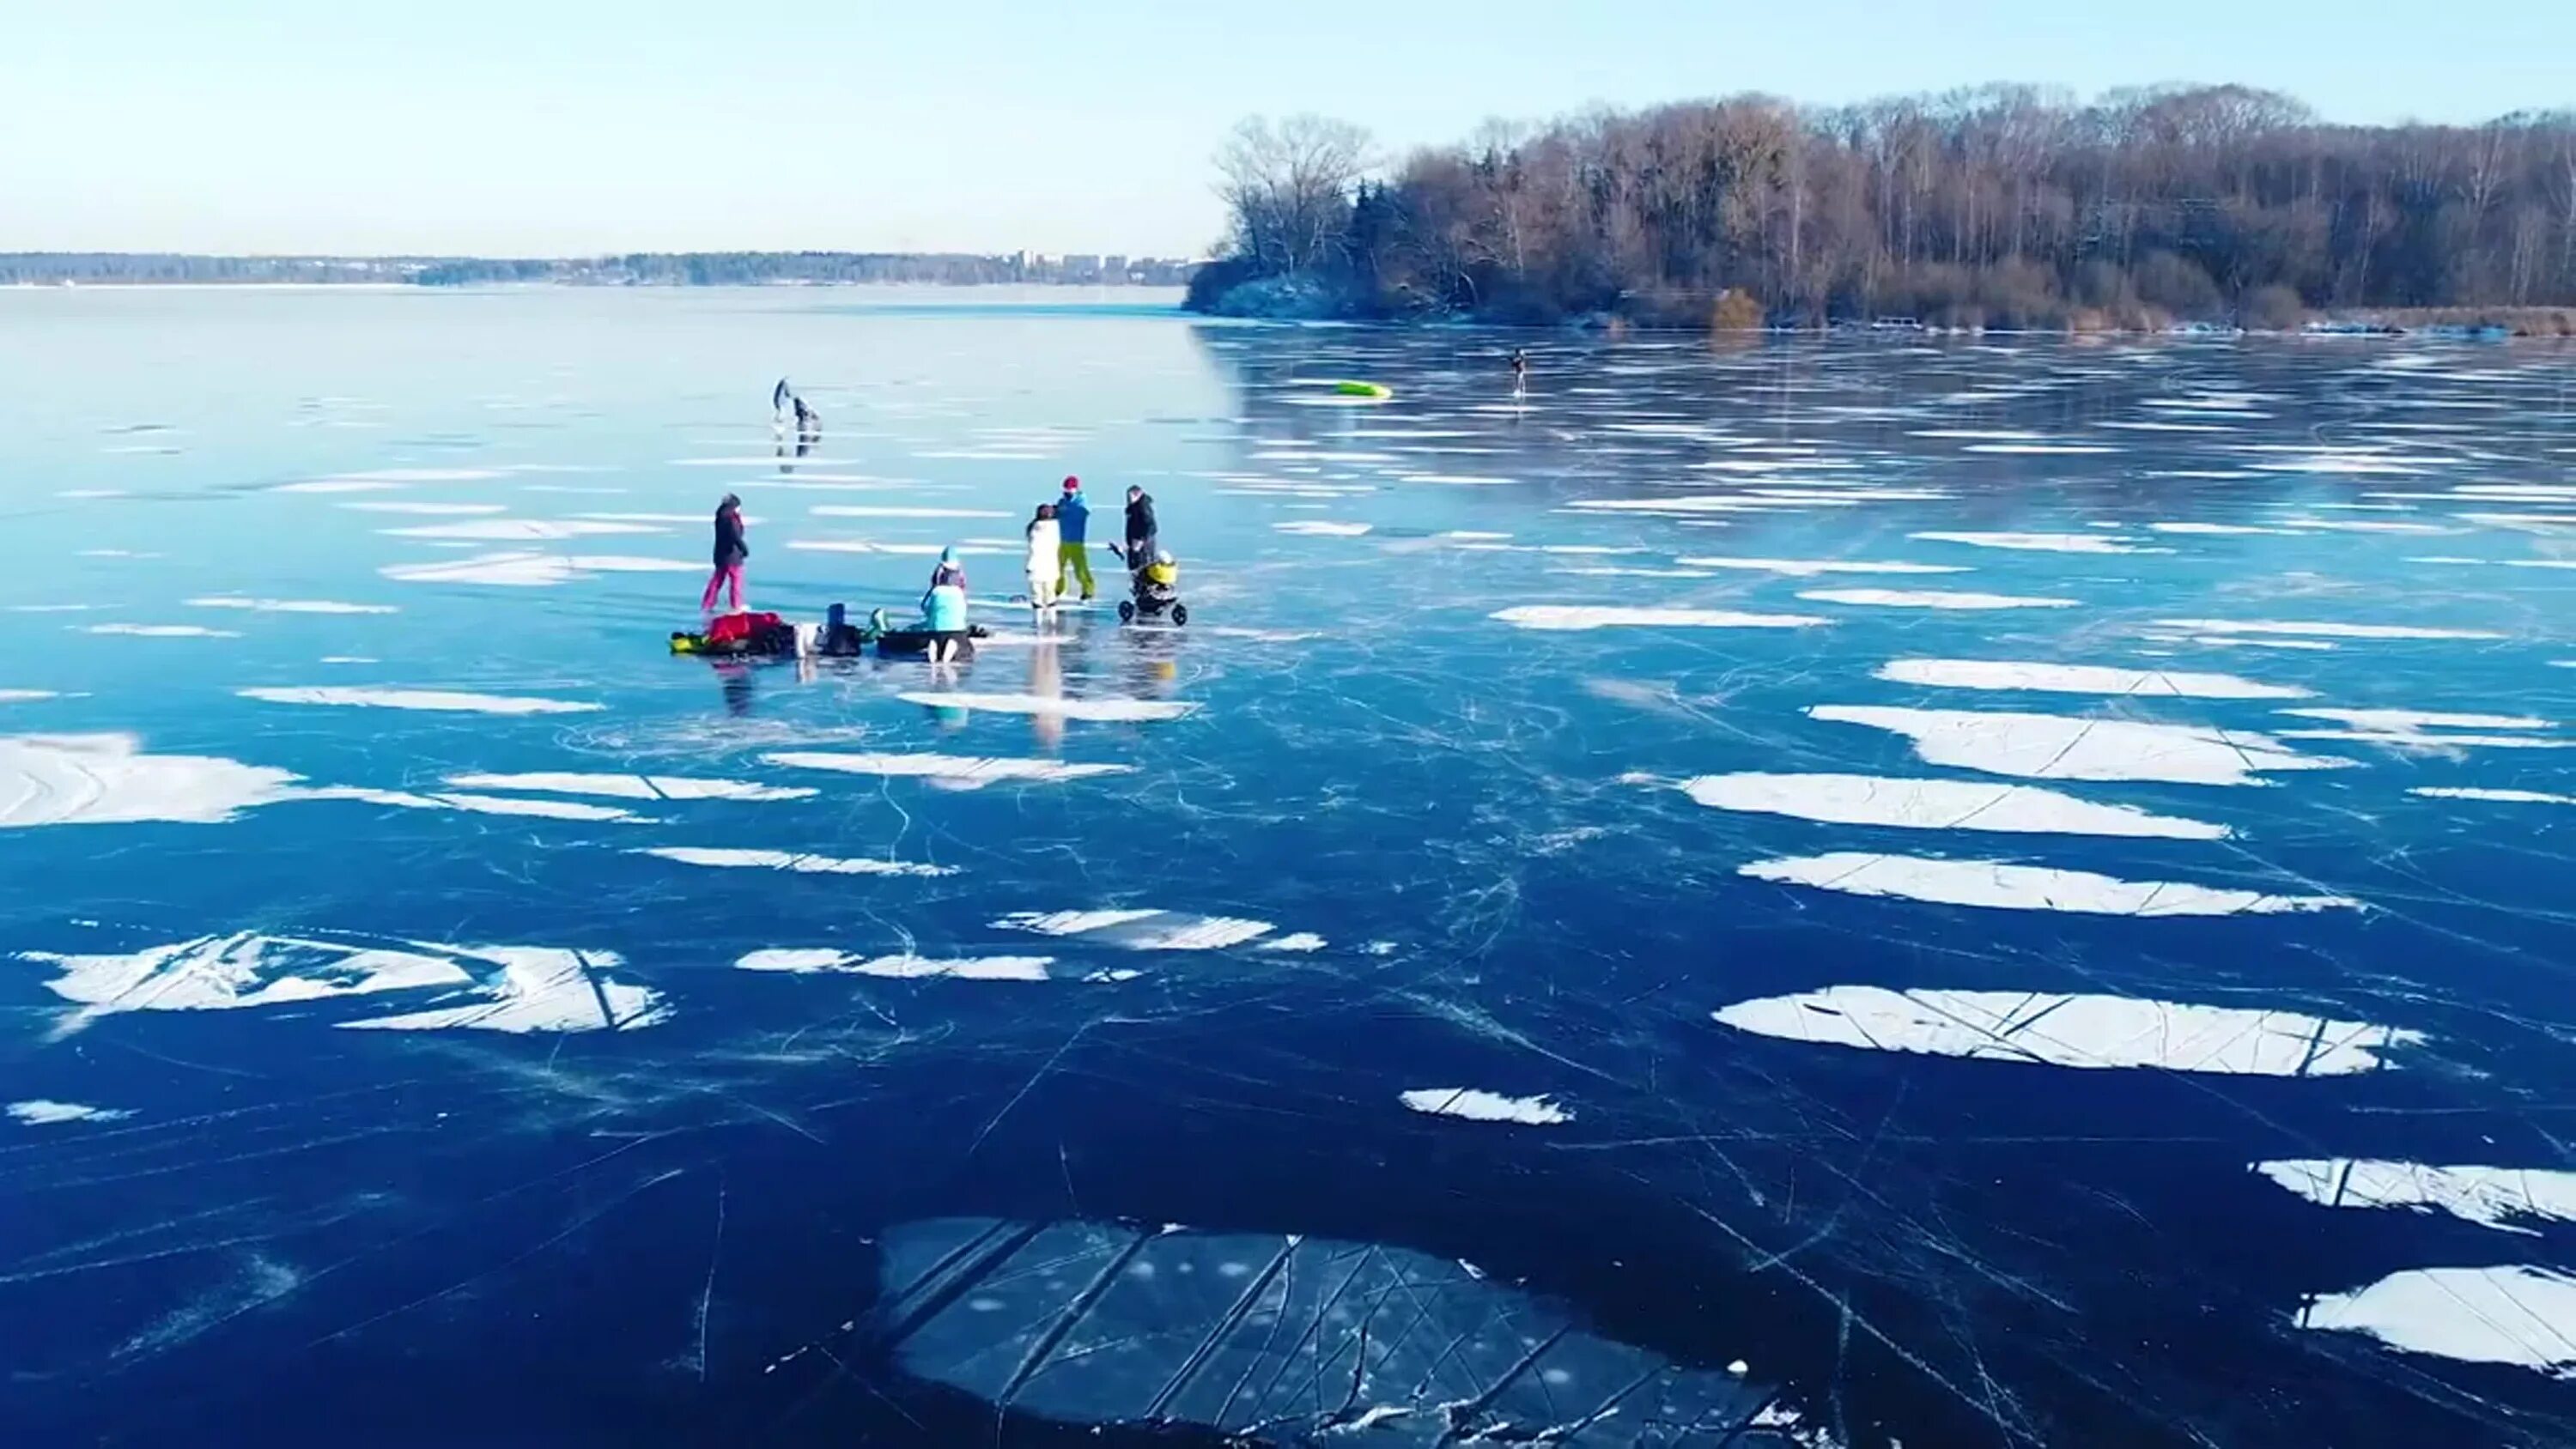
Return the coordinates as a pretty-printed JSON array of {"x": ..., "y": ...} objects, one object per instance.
[
  {"x": 943, "y": 609},
  {"x": 1073, "y": 524},
  {"x": 731, "y": 552},
  {"x": 1046, "y": 558}
]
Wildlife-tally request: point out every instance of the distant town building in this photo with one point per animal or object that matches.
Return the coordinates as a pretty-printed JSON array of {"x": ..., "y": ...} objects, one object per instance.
[
  {"x": 1113, "y": 270},
  {"x": 1081, "y": 267}
]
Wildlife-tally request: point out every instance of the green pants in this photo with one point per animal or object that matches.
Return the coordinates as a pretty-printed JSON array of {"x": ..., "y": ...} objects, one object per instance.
[{"x": 1076, "y": 559}]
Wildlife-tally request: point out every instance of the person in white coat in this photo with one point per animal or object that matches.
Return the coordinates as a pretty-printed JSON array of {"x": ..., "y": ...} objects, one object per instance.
[{"x": 1046, "y": 565}]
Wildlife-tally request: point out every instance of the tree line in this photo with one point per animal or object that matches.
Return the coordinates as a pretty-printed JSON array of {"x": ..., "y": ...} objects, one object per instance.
[{"x": 2002, "y": 206}]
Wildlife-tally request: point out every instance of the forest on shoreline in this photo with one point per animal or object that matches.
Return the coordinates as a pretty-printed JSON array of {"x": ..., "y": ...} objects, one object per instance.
[{"x": 2003, "y": 206}]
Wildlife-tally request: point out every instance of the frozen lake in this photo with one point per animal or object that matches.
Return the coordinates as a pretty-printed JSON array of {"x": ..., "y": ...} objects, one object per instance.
[{"x": 1978, "y": 893}]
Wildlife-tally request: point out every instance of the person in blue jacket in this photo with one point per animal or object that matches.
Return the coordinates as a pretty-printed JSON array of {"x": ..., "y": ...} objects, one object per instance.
[
  {"x": 1073, "y": 521},
  {"x": 943, "y": 609}
]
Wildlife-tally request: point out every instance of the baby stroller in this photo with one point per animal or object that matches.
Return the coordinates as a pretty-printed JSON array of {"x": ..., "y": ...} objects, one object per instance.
[{"x": 1155, "y": 590}]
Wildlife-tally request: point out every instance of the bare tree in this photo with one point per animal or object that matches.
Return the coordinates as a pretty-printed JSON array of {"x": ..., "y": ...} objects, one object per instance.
[{"x": 1290, "y": 187}]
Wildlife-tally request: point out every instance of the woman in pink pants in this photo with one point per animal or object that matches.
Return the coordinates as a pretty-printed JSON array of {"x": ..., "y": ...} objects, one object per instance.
[{"x": 731, "y": 551}]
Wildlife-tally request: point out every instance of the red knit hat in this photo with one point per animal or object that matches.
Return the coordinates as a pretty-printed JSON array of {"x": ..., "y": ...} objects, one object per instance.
[{"x": 1071, "y": 483}]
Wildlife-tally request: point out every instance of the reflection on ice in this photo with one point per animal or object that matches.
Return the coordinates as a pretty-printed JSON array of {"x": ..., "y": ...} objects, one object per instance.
[
  {"x": 1477, "y": 1105},
  {"x": 1273, "y": 1339},
  {"x": 2055, "y": 1029},
  {"x": 2514, "y": 1315},
  {"x": 2079, "y": 679},
  {"x": 2068, "y": 747},
  {"x": 1935, "y": 805},
  {"x": 107, "y": 779},
  {"x": 2506, "y": 1198},
  {"x": 2000, "y": 886}
]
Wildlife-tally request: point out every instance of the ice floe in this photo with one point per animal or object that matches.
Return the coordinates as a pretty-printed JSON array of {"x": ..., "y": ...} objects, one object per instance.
[
  {"x": 2079, "y": 679},
  {"x": 2054, "y": 1029},
  {"x": 2035, "y": 542},
  {"x": 902, "y": 967},
  {"x": 1936, "y": 805},
  {"x": 632, "y": 787},
  {"x": 2070, "y": 747},
  {"x": 1477, "y": 1105},
  {"x": 1570, "y": 617},
  {"x": 1932, "y": 599},
  {"x": 102, "y": 779},
  {"x": 1998, "y": 885},
  {"x": 1054, "y": 706},
  {"x": 290, "y": 606},
  {"x": 2512, "y": 1199},
  {"x": 2513, "y": 1315},
  {"x": 42, "y": 1112},
  {"x": 1141, "y": 930},
  {"x": 2321, "y": 629},
  {"x": 737, "y": 859},
  {"x": 445, "y": 701},
  {"x": 1807, "y": 568},
  {"x": 956, "y": 772}
]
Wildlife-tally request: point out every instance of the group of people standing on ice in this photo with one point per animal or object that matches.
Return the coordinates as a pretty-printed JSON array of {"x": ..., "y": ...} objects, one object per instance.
[{"x": 1059, "y": 556}]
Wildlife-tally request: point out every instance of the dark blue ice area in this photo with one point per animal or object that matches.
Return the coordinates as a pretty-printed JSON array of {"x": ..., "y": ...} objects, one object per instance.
[{"x": 433, "y": 1014}]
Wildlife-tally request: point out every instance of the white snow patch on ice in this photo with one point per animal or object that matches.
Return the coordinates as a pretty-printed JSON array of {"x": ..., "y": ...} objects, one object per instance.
[
  {"x": 2032, "y": 542},
  {"x": 25, "y": 696},
  {"x": 1141, "y": 930},
  {"x": 632, "y": 787},
  {"x": 2079, "y": 679},
  {"x": 474, "y": 804},
  {"x": 1478, "y": 1105},
  {"x": 1932, "y": 599},
  {"x": 2216, "y": 530},
  {"x": 2512, "y": 1315},
  {"x": 539, "y": 988},
  {"x": 960, "y": 772},
  {"x": 290, "y": 606},
  {"x": 1997, "y": 885},
  {"x": 1054, "y": 706},
  {"x": 1567, "y": 617},
  {"x": 2506, "y": 1198},
  {"x": 791, "y": 861},
  {"x": 42, "y": 1112},
  {"x": 2053, "y": 1029},
  {"x": 160, "y": 631},
  {"x": 1936, "y": 805},
  {"x": 1321, "y": 528},
  {"x": 2501, "y": 797},
  {"x": 521, "y": 529},
  {"x": 1807, "y": 568},
  {"x": 904, "y": 966},
  {"x": 444, "y": 701},
  {"x": 2322, "y": 629},
  {"x": 2068, "y": 747},
  {"x": 104, "y": 779},
  {"x": 2410, "y": 721}
]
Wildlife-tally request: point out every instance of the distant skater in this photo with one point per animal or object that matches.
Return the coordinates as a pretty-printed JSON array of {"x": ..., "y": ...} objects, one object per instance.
[
  {"x": 730, "y": 555},
  {"x": 1520, "y": 375},
  {"x": 1073, "y": 524},
  {"x": 1046, "y": 558},
  {"x": 809, "y": 423}
]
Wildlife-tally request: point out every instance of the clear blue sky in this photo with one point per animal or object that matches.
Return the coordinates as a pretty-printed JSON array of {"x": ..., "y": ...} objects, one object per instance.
[{"x": 567, "y": 126}]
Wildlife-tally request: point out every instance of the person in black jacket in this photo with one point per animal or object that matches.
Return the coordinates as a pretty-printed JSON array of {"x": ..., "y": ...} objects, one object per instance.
[
  {"x": 1141, "y": 532},
  {"x": 731, "y": 553}
]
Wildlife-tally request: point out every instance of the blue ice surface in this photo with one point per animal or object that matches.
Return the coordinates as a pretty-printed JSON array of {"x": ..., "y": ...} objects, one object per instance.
[{"x": 667, "y": 1232}]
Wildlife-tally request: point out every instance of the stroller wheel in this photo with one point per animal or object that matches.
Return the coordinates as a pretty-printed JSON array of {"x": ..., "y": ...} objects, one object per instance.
[
  {"x": 1180, "y": 613},
  {"x": 1126, "y": 611}
]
